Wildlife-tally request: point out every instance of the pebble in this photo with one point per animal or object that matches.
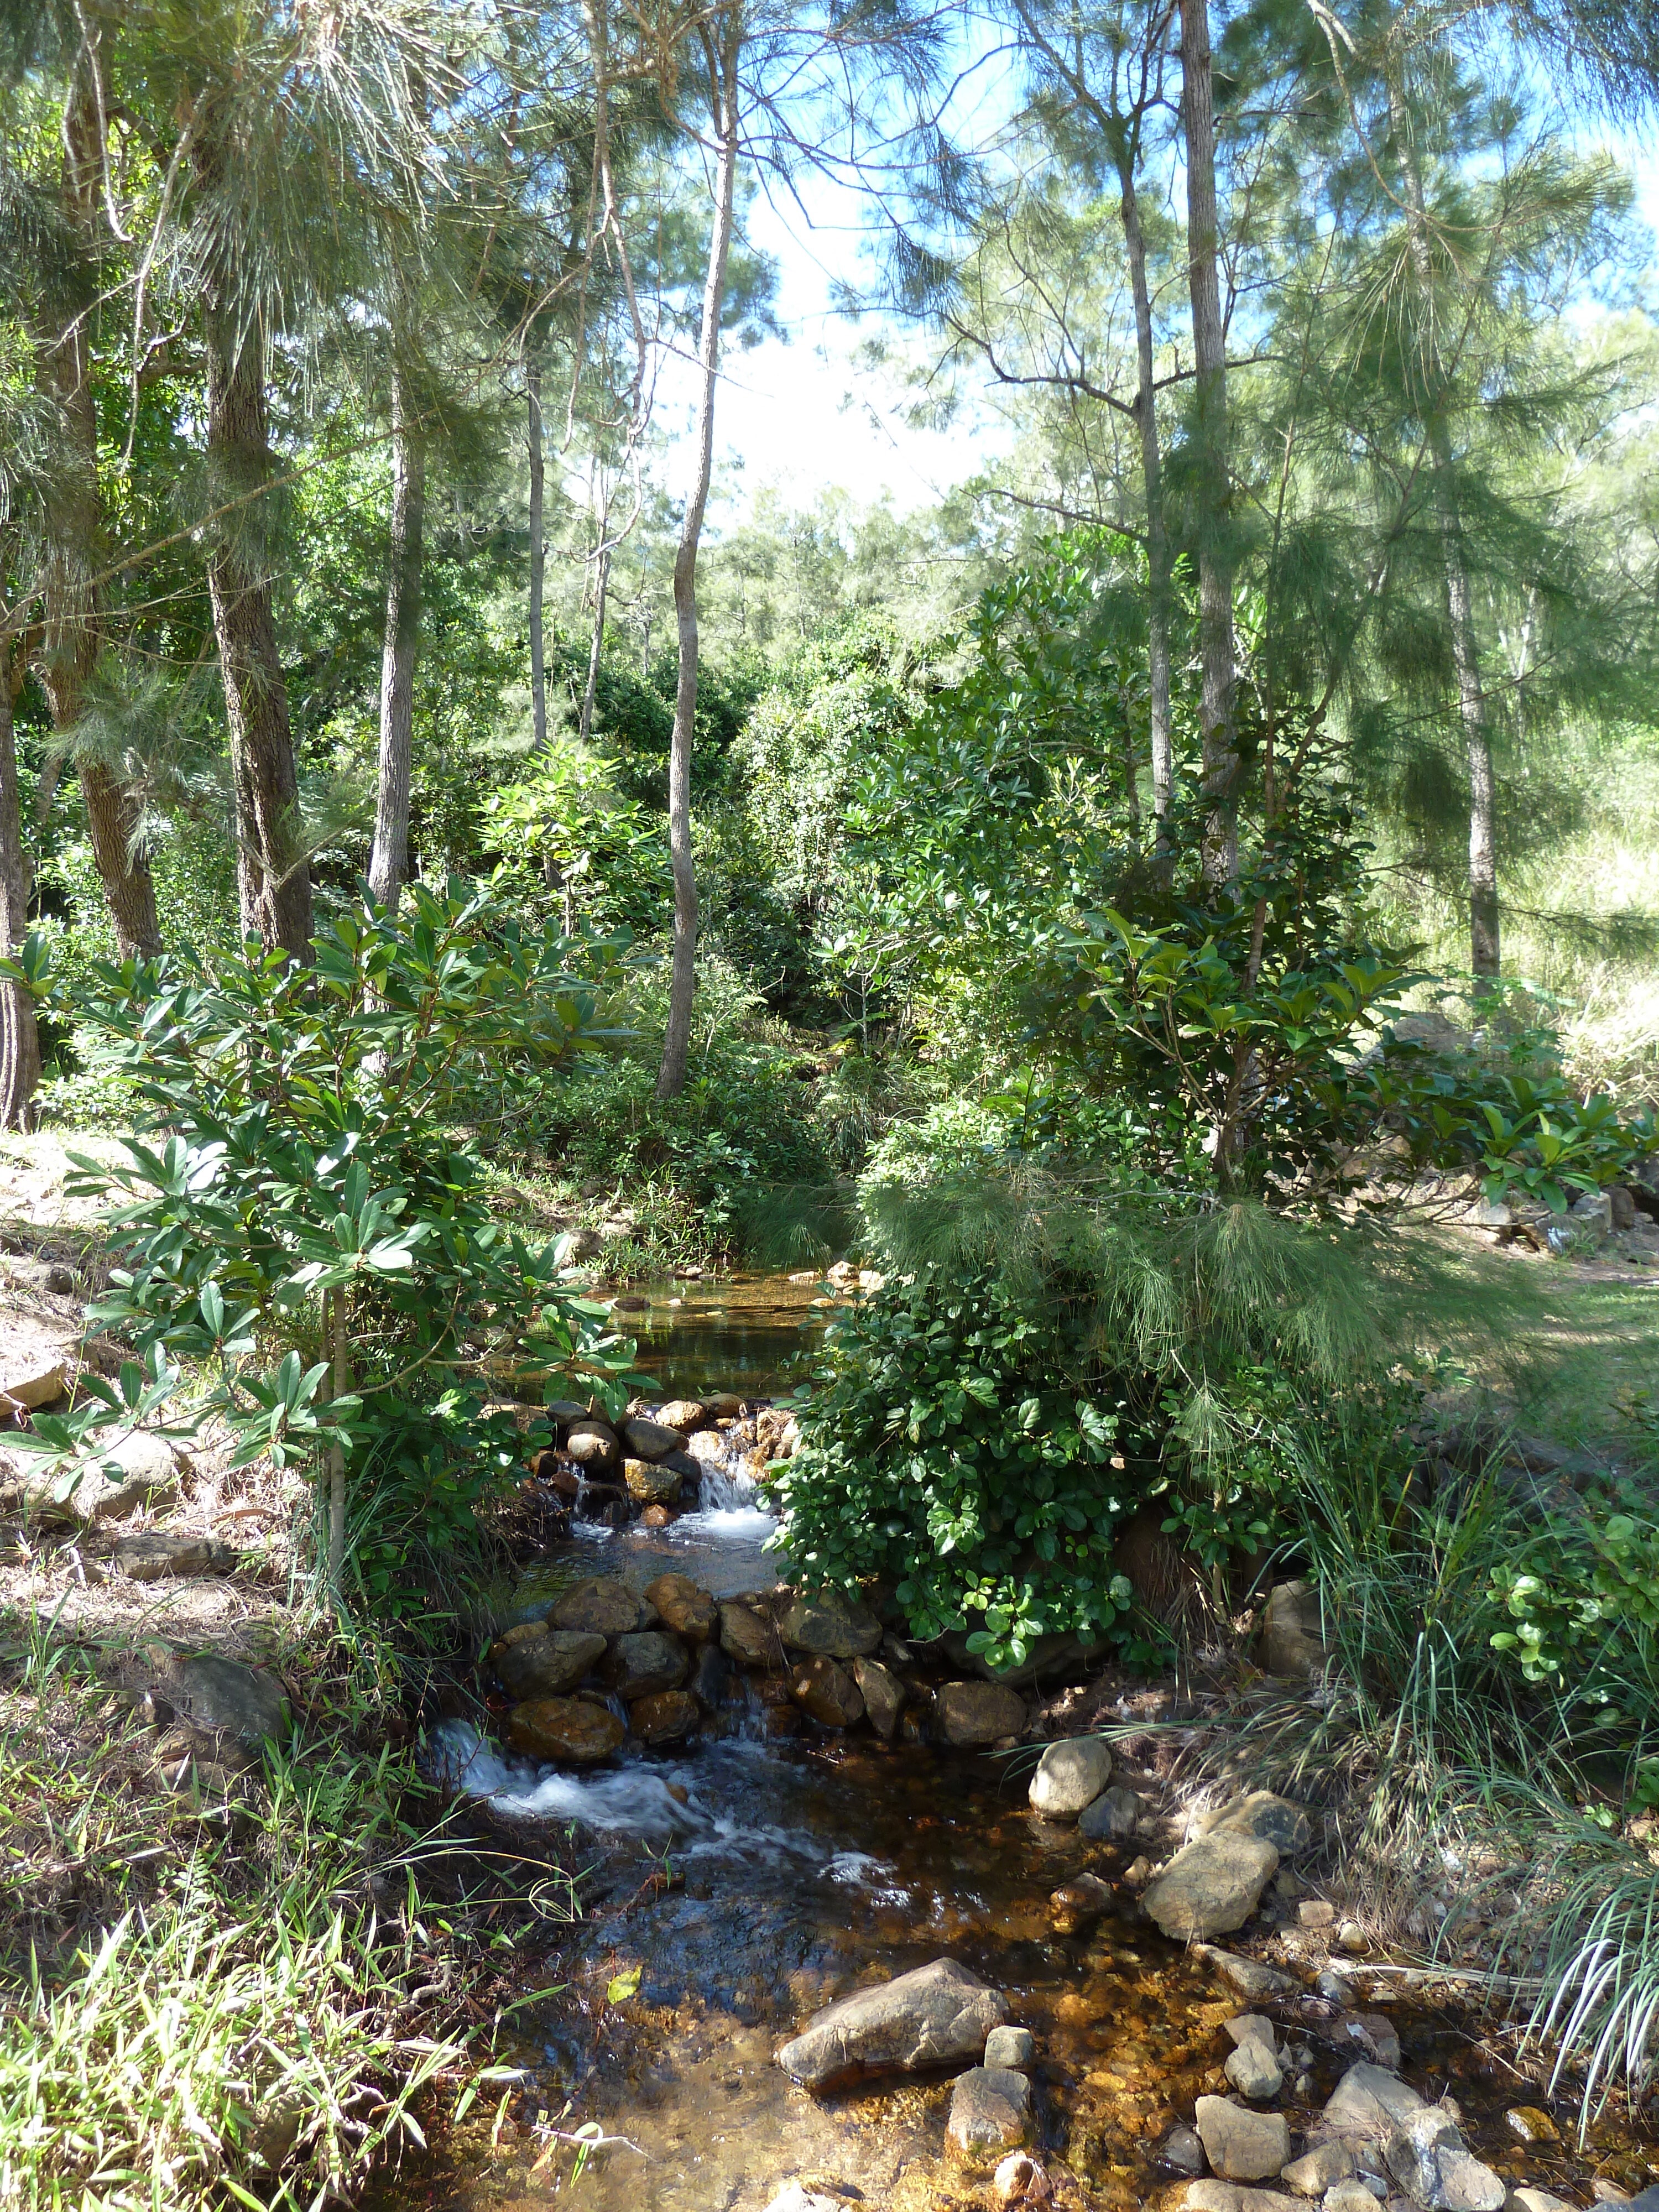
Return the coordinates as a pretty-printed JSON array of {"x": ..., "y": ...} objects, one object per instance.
[{"x": 1352, "y": 1938}]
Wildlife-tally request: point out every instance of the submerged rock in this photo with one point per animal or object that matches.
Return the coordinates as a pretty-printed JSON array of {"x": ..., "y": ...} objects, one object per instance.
[
  {"x": 1181, "y": 2152},
  {"x": 535, "y": 1661},
  {"x": 570, "y": 1728},
  {"x": 1069, "y": 1777},
  {"x": 831, "y": 1624},
  {"x": 883, "y": 1692},
  {"x": 990, "y": 2113},
  {"x": 935, "y": 2015},
  {"x": 1242, "y": 2145},
  {"x": 1247, "y": 1976},
  {"x": 1211, "y": 2196},
  {"x": 603, "y": 1606},
  {"x": 685, "y": 1606},
  {"x": 1020, "y": 2179},
  {"x": 971, "y": 1714},
  {"x": 1213, "y": 1887}
]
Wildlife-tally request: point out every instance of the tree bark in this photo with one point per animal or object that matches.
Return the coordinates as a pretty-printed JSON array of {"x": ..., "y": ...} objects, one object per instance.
[
  {"x": 533, "y": 385},
  {"x": 1151, "y": 477},
  {"x": 20, "y": 1035},
  {"x": 1215, "y": 573},
  {"x": 1484, "y": 939},
  {"x": 72, "y": 634},
  {"x": 602, "y": 586},
  {"x": 677, "y": 1041},
  {"x": 388, "y": 865},
  {"x": 273, "y": 876}
]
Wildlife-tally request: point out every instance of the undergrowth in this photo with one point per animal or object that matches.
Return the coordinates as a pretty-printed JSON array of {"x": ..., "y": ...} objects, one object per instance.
[{"x": 251, "y": 1987}]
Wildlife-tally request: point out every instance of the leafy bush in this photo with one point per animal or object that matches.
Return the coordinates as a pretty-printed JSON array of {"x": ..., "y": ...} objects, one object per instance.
[{"x": 308, "y": 1226}]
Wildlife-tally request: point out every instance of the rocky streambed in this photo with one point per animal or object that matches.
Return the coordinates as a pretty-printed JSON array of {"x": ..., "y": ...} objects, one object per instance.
[{"x": 856, "y": 1932}]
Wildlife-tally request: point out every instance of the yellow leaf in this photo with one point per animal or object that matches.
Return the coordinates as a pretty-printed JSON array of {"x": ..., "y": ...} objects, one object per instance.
[{"x": 624, "y": 1986}]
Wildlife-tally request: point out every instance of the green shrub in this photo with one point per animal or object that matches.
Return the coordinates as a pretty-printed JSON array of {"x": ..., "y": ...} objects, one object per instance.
[{"x": 308, "y": 1229}]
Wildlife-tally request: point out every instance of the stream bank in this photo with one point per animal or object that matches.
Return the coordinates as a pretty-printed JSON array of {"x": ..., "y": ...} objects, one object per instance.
[{"x": 777, "y": 1859}]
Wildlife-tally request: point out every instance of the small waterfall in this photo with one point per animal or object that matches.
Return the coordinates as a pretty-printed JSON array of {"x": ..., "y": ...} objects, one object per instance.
[{"x": 727, "y": 1500}]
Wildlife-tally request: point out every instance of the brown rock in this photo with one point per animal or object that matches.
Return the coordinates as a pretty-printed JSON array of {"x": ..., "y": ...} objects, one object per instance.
[
  {"x": 826, "y": 1690},
  {"x": 33, "y": 1387},
  {"x": 665, "y": 1717},
  {"x": 658, "y": 1517},
  {"x": 650, "y": 1440},
  {"x": 883, "y": 1693},
  {"x": 990, "y": 2114},
  {"x": 594, "y": 1446},
  {"x": 1292, "y": 1634},
  {"x": 723, "y": 1405},
  {"x": 1210, "y": 1888},
  {"x": 639, "y": 1665},
  {"x": 748, "y": 1638},
  {"x": 1242, "y": 2145},
  {"x": 934, "y": 2015},
  {"x": 650, "y": 1483},
  {"x": 970, "y": 1715},
  {"x": 154, "y": 1556},
  {"x": 569, "y": 1728},
  {"x": 603, "y": 1606},
  {"x": 535, "y": 1661},
  {"x": 685, "y": 1606},
  {"x": 683, "y": 1415}
]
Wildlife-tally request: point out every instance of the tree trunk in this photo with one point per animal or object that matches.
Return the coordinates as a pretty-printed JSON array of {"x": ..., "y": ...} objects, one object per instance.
[
  {"x": 20, "y": 1036},
  {"x": 676, "y": 1041},
  {"x": 1152, "y": 476},
  {"x": 532, "y": 384},
  {"x": 1485, "y": 945},
  {"x": 603, "y": 588},
  {"x": 388, "y": 865},
  {"x": 1215, "y": 575},
  {"x": 73, "y": 631},
  {"x": 273, "y": 876}
]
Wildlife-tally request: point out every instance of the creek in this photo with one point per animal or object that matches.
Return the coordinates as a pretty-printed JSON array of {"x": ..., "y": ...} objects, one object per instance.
[{"x": 749, "y": 1880}]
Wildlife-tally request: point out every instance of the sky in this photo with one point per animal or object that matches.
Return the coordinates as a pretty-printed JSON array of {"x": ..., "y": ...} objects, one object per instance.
[{"x": 804, "y": 413}]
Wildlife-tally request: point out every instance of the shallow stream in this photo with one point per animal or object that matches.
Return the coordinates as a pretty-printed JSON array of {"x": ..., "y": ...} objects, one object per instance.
[{"x": 751, "y": 1879}]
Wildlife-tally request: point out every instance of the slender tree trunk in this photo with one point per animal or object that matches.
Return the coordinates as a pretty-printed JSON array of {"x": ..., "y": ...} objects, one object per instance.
[
  {"x": 272, "y": 873},
  {"x": 1484, "y": 945},
  {"x": 602, "y": 585},
  {"x": 1215, "y": 574},
  {"x": 388, "y": 865},
  {"x": 1157, "y": 539},
  {"x": 676, "y": 1042},
  {"x": 20, "y": 1036},
  {"x": 532, "y": 384},
  {"x": 73, "y": 631}
]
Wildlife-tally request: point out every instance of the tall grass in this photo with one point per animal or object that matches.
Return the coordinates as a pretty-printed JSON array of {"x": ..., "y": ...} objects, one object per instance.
[{"x": 246, "y": 1995}]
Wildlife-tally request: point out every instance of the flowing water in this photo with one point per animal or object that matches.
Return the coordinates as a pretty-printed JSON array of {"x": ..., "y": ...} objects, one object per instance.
[{"x": 750, "y": 1879}]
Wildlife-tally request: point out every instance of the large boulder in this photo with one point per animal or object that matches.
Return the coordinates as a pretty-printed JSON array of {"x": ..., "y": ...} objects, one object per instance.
[
  {"x": 971, "y": 1714},
  {"x": 935, "y": 2015},
  {"x": 1276, "y": 1820},
  {"x": 650, "y": 1482},
  {"x": 535, "y": 1661},
  {"x": 747, "y": 1637},
  {"x": 650, "y": 1440},
  {"x": 594, "y": 1446},
  {"x": 136, "y": 1471},
  {"x": 685, "y": 1606},
  {"x": 990, "y": 2114},
  {"x": 826, "y": 1690},
  {"x": 1069, "y": 1777},
  {"x": 883, "y": 1692},
  {"x": 640, "y": 1666},
  {"x": 603, "y": 1605},
  {"x": 572, "y": 1729},
  {"x": 1242, "y": 2145},
  {"x": 160, "y": 1555},
  {"x": 836, "y": 1626},
  {"x": 665, "y": 1716},
  {"x": 1210, "y": 1888},
  {"x": 1430, "y": 2160}
]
